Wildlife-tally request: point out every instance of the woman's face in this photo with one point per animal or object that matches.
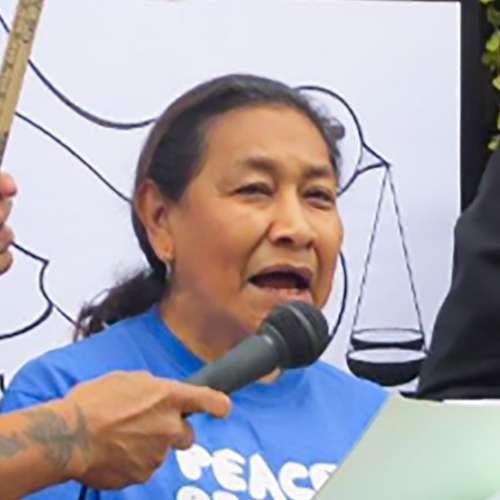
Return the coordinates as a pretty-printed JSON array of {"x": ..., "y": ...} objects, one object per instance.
[{"x": 258, "y": 226}]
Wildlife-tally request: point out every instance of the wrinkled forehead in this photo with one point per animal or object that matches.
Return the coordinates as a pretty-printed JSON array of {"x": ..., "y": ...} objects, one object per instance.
[{"x": 264, "y": 138}]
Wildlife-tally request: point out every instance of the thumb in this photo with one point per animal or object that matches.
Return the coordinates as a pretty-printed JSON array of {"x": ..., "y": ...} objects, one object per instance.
[{"x": 7, "y": 186}]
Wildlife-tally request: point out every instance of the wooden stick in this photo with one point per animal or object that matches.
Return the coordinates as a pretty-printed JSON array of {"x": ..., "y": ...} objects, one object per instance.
[{"x": 15, "y": 63}]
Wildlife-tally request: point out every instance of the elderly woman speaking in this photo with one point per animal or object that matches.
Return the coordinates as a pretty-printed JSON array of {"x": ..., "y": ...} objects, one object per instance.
[{"x": 234, "y": 207}]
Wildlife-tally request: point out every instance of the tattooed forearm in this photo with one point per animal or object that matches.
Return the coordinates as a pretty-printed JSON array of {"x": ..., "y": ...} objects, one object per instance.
[
  {"x": 10, "y": 446},
  {"x": 83, "y": 433},
  {"x": 52, "y": 433}
]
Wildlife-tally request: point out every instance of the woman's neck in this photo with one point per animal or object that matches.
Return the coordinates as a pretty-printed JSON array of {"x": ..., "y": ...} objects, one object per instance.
[{"x": 202, "y": 336}]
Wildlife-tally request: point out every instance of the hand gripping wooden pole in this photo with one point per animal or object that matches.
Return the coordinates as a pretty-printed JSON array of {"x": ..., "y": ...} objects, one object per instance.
[{"x": 15, "y": 62}]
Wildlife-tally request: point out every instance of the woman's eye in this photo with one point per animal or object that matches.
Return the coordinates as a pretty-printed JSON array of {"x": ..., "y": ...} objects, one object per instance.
[
  {"x": 325, "y": 197},
  {"x": 257, "y": 188}
]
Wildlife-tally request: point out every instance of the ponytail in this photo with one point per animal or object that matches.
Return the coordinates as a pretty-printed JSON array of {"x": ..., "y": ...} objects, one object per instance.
[{"x": 133, "y": 296}]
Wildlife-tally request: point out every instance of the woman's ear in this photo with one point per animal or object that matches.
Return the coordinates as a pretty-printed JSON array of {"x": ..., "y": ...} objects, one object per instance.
[{"x": 153, "y": 210}]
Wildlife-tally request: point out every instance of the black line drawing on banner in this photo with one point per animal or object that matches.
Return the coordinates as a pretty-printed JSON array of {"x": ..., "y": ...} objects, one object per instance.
[
  {"x": 103, "y": 122},
  {"x": 49, "y": 305},
  {"x": 390, "y": 356}
]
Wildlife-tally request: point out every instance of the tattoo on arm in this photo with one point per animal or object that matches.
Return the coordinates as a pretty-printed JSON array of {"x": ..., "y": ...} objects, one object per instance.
[
  {"x": 10, "y": 446},
  {"x": 51, "y": 432}
]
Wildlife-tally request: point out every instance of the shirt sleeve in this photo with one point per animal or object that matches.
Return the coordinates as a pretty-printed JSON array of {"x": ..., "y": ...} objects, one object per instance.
[{"x": 464, "y": 356}]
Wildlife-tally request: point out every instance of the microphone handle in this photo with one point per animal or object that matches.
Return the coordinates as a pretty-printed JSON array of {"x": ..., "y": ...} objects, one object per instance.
[{"x": 254, "y": 358}]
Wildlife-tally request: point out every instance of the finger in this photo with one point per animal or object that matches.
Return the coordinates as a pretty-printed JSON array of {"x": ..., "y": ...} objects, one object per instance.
[
  {"x": 6, "y": 239},
  {"x": 7, "y": 186},
  {"x": 192, "y": 399},
  {"x": 183, "y": 439},
  {"x": 5, "y": 262},
  {"x": 5, "y": 208}
]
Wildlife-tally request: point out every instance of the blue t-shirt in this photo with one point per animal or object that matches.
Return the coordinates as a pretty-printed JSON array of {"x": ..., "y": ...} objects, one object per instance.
[{"x": 281, "y": 441}]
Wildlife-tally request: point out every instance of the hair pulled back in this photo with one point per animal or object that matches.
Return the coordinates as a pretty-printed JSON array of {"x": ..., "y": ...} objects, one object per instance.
[{"x": 171, "y": 157}]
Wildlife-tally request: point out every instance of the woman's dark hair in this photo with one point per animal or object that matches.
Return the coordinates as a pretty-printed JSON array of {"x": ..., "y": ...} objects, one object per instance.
[{"x": 171, "y": 158}]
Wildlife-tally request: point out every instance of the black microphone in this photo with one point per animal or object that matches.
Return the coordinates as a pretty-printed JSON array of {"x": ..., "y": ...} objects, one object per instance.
[{"x": 291, "y": 336}]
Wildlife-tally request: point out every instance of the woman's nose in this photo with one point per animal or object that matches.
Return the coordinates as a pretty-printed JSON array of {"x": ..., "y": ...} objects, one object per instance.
[{"x": 291, "y": 225}]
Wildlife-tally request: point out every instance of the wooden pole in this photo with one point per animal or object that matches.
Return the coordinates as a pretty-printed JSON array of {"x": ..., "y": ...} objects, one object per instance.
[{"x": 15, "y": 63}]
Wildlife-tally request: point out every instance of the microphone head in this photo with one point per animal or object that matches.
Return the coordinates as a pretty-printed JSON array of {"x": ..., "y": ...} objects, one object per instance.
[{"x": 302, "y": 330}]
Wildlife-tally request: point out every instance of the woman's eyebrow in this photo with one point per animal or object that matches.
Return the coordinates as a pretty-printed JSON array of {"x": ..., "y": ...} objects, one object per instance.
[
  {"x": 269, "y": 166},
  {"x": 259, "y": 164},
  {"x": 319, "y": 172}
]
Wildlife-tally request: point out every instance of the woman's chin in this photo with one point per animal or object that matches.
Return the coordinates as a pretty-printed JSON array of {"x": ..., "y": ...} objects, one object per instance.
[{"x": 262, "y": 301}]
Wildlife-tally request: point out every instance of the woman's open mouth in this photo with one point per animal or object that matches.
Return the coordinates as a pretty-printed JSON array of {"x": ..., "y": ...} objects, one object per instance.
[{"x": 288, "y": 284}]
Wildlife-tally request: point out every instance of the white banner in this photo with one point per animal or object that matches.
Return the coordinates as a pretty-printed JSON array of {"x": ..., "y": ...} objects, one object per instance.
[{"x": 389, "y": 71}]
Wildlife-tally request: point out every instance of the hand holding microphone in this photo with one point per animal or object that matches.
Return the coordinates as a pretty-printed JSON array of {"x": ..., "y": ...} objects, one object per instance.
[
  {"x": 128, "y": 423},
  {"x": 108, "y": 433}
]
